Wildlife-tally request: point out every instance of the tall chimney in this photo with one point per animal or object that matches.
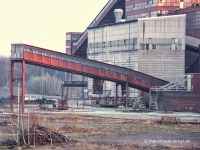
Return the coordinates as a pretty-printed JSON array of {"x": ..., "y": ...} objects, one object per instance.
[{"x": 118, "y": 15}]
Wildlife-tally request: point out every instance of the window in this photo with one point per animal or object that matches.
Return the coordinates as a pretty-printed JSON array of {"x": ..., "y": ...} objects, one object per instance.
[
  {"x": 124, "y": 42},
  {"x": 176, "y": 41},
  {"x": 68, "y": 37},
  {"x": 142, "y": 46},
  {"x": 150, "y": 40},
  {"x": 154, "y": 46},
  {"x": 103, "y": 44},
  {"x": 173, "y": 40},
  {"x": 147, "y": 46}
]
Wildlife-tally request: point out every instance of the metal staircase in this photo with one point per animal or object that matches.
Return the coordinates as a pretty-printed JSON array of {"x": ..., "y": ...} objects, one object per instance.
[{"x": 181, "y": 83}]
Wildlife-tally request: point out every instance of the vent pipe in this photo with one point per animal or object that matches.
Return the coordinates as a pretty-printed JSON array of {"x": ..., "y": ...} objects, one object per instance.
[{"x": 118, "y": 15}]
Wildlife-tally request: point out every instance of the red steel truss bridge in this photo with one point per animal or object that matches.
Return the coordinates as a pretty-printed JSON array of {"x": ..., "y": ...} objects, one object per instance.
[{"x": 27, "y": 54}]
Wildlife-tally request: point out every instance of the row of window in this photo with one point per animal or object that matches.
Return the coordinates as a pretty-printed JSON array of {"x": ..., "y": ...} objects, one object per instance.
[
  {"x": 160, "y": 47},
  {"x": 151, "y": 3},
  {"x": 142, "y": 5},
  {"x": 134, "y": 42},
  {"x": 113, "y": 43}
]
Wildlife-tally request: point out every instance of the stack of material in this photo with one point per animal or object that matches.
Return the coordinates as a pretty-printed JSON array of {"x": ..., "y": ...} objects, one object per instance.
[
  {"x": 139, "y": 104},
  {"x": 39, "y": 135}
]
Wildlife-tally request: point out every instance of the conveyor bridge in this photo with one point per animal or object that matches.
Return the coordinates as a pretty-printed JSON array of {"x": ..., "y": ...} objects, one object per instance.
[{"x": 27, "y": 54}]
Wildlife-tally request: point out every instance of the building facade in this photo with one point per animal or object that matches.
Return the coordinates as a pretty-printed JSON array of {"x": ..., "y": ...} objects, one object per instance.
[
  {"x": 152, "y": 8},
  {"x": 154, "y": 46},
  {"x": 71, "y": 37},
  {"x": 146, "y": 49}
]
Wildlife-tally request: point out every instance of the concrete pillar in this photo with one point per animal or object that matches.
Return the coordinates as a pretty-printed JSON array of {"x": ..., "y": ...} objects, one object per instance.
[
  {"x": 117, "y": 97},
  {"x": 127, "y": 94},
  {"x": 153, "y": 98}
]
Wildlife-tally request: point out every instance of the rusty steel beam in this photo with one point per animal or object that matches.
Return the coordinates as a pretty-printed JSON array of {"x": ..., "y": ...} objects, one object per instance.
[
  {"x": 127, "y": 94},
  {"x": 90, "y": 68},
  {"x": 116, "y": 96},
  {"x": 136, "y": 81}
]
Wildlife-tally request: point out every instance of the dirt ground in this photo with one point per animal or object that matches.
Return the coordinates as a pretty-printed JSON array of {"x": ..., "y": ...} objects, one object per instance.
[{"x": 105, "y": 133}]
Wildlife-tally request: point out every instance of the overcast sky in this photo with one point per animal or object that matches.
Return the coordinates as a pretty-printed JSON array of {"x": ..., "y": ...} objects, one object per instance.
[{"x": 43, "y": 23}]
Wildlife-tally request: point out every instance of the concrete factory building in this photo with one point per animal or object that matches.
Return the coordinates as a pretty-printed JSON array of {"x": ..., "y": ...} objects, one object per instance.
[
  {"x": 154, "y": 46},
  {"x": 157, "y": 37}
]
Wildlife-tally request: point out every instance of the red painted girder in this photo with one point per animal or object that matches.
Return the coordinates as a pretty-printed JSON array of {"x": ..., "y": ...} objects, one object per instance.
[{"x": 86, "y": 70}]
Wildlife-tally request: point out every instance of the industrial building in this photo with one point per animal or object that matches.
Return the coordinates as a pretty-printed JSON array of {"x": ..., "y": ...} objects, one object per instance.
[
  {"x": 153, "y": 8},
  {"x": 127, "y": 58},
  {"x": 71, "y": 37},
  {"x": 154, "y": 46},
  {"x": 151, "y": 37}
]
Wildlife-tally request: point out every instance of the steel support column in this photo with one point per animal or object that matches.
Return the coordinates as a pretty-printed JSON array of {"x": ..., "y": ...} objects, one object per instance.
[
  {"x": 116, "y": 96},
  {"x": 127, "y": 94},
  {"x": 11, "y": 85},
  {"x": 12, "y": 80},
  {"x": 23, "y": 85},
  {"x": 199, "y": 59}
]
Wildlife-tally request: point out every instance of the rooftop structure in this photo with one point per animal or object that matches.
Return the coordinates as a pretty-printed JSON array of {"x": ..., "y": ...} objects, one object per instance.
[
  {"x": 152, "y": 8},
  {"x": 71, "y": 37}
]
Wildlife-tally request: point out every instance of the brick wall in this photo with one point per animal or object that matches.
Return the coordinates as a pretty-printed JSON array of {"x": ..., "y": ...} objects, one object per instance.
[
  {"x": 196, "y": 82},
  {"x": 180, "y": 101}
]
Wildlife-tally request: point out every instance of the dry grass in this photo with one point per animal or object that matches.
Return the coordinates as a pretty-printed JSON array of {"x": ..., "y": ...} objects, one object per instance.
[{"x": 79, "y": 126}]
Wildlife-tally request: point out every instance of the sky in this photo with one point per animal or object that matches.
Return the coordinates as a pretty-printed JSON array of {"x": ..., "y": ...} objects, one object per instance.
[{"x": 43, "y": 23}]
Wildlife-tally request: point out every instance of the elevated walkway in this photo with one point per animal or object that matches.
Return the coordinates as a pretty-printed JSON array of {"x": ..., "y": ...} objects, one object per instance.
[
  {"x": 59, "y": 61},
  {"x": 90, "y": 68}
]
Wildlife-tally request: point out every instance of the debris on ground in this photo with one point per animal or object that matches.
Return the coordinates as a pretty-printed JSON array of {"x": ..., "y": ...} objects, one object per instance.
[
  {"x": 139, "y": 104},
  {"x": 169, "y": 120},
  {"x": 9, "y": 144},
  {"x": 39, "y": 135}
]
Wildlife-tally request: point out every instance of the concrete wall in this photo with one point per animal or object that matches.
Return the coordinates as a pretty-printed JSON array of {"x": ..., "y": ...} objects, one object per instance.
[
  {"x": 155, "y": 46},
  {"x": 114, "y": 44},
  {"x": 161, "y": 43}
]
